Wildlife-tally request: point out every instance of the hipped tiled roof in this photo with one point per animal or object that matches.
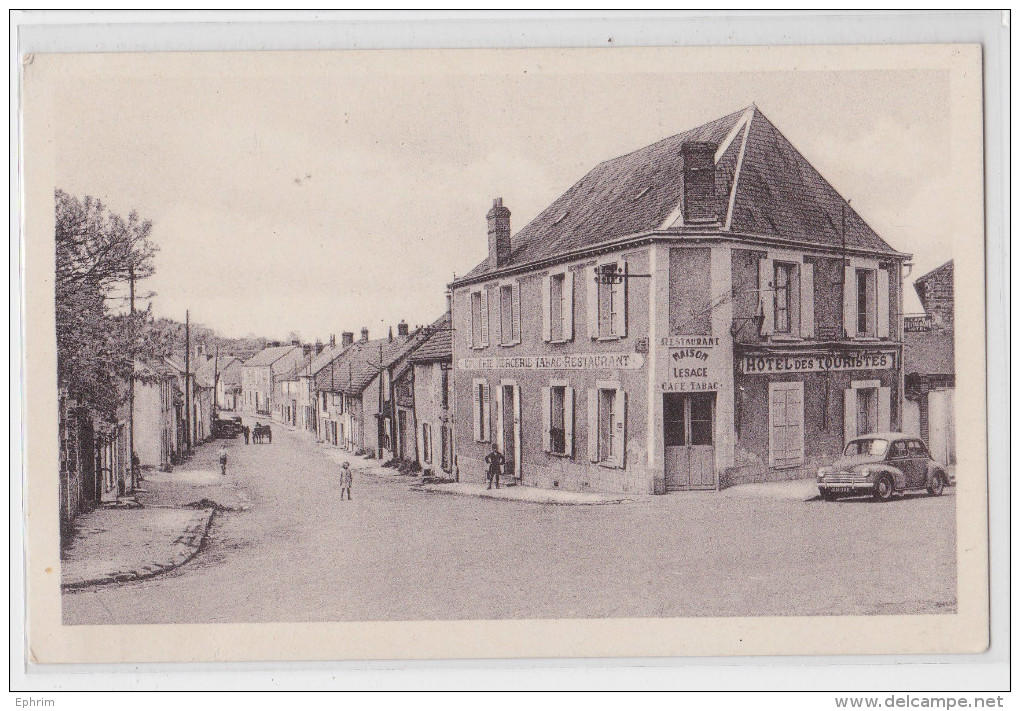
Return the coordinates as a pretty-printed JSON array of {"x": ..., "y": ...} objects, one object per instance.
[
  {"x": 359, "y": 365},
  {"x": 764, "y": 188}
]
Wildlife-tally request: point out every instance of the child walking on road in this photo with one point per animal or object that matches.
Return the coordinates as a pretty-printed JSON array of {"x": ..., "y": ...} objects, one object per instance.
[
  {"x": 346, "y": 479},
  {"x": 223, "y": 459}
]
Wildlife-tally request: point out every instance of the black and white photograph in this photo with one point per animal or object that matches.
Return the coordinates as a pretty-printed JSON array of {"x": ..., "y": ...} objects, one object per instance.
[{"x": 586, "y": 336}]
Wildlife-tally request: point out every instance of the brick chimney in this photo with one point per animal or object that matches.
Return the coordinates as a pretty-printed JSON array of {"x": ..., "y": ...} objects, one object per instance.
[
  {"x": 295, "y": 342},
  {"x": 318, "y": 346},
  {"x": 391, "y": 334},
  {"x": 306, "y": 349},
  {"x": 347, "y": 339},
  {"x": 332, "y": 340},
  {"x": 699, "y": 182},
  {"x": 402, "y": 328},
  {"x": 364, "y": 334},
  {"x": 499, "y": 234}
]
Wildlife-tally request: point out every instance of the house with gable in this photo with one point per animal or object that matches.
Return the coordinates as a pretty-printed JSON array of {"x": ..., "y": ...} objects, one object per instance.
[{"x": 704, "y": 311}]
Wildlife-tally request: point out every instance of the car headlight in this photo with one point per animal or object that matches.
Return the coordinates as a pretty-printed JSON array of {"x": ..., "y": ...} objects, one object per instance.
[
  {"x": 863, "y": 473},
  {"x": 823, "y": 471}
]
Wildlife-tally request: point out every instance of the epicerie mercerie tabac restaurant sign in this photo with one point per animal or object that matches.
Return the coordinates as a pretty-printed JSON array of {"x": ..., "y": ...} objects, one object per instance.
[
  {"x": 584, "y": 361},
  {"x": 761, "y": 364}
]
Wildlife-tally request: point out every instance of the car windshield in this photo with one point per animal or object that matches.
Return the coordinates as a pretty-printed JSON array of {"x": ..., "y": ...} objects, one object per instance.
[{"x": 869, "y": 447}]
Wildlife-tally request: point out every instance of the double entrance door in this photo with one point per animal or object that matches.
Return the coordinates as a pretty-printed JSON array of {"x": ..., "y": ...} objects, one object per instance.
[{"x": 688, "y": 435}]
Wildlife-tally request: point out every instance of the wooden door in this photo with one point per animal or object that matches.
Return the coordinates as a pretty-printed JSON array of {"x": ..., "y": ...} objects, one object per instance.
[{"x": 688, "y": 438}]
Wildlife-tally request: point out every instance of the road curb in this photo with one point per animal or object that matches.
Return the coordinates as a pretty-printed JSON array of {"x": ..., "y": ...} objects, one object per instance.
[
  {"x": 184, "y": 548},
  {"x": 484, "y": 495}
]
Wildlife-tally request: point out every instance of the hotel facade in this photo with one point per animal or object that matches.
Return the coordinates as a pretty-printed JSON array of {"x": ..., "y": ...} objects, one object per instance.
[{"x": 703, "y": 312}]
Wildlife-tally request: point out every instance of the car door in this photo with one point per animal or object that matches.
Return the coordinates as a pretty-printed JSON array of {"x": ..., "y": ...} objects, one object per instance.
[
  {"x": 899, "y": 458},
  {"x": 918, "y": 463}
]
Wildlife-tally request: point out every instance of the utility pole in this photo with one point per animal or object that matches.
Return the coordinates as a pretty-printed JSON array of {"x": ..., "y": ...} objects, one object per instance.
[
  {"x": 216, "y": 379},
  {"x": 187, "y": 380},
  {"x": 131, "y": 385}
]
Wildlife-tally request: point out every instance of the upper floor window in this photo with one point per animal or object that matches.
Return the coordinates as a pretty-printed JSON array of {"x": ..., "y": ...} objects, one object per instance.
[
  {"x": 783, "y": 285},
  {"x": 510, "y": 313},
  {"x": 866, "y": 300},
  {"x": 558, "y": 307},
  {"x": 479, "y": 318},
  {"x": 607, "y": 301}
]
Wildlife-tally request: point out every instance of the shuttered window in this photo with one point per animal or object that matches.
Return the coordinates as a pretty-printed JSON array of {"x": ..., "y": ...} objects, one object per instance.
[
  {"x": 480, "y": 410},
  {"x": 510, "y": 314}
]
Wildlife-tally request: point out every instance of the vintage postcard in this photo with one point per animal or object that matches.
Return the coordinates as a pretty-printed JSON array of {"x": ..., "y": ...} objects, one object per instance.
[{"x": 505, "y": 353}]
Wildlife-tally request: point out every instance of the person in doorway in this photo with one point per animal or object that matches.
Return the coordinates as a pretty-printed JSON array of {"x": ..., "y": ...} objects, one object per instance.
[
  {"x": 223, "y": 459},
  {"x": 495, "y": 462},
  {"x": 246, "y": 431},
  {"x": 346, "y": 479}
]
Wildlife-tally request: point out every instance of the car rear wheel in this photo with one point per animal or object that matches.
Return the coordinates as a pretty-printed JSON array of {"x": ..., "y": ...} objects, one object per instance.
[
  {"x": 884, "y": 488},
  {"x": 937, "y": 485}
]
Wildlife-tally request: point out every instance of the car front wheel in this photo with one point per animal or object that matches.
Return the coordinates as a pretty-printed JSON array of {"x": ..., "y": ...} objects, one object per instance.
[
  {"x": 884, "y": 488},
  {"x": 937, "y": 485}
]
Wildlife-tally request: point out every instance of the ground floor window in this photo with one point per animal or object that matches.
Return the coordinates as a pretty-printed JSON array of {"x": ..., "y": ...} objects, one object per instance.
[
  {"x": 480, "y": 410},
  {"x": 786, "y": 424},
  {"x": 558, "y": 418},
  {"x": 867, "y": 408},
  {"x": 447, "y": 444},
  {"x": 607, "y": 424}
]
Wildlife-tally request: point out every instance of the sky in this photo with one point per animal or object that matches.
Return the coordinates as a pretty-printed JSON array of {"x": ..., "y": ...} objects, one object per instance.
[{"x": 322, "y": 194}]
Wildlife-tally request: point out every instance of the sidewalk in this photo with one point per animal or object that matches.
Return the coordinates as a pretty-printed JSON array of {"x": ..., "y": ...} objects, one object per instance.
[
  {"x": 529, "y": 494},
  {"x": 794, "y": 490},
  {"x": 164, "y": 530},
  {"x": 117, "y": 544}
]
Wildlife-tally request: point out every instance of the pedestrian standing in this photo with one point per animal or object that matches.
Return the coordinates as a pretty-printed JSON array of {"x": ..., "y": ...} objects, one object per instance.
[
  {"x": 223, "y": 459},
  {"x": 346, "y": 479},
  {"x": 495, "y": 462},
  {"x": 247, "y": 433}
]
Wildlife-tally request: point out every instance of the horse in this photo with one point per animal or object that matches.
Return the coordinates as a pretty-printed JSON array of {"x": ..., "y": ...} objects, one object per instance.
[{"x": 261, "y": 432}]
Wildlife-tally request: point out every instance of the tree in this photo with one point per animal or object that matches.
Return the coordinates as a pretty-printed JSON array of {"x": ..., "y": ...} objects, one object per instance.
[{"x": 97, "y": 251}]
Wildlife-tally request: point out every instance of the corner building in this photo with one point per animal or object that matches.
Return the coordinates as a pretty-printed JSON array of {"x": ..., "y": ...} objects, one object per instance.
[{"x": 703, "y": 312}]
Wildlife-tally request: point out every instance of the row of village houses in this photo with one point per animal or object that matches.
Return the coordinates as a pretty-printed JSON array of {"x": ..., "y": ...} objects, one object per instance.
[{"x": 699, "y": 313}]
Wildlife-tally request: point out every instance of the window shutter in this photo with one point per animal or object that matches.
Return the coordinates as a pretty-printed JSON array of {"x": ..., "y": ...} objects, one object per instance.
[
  {"x": 850, "y": 301},
  {"x": 777, "y": 424},
  {"x": 547, "y": 308},
  {"x": 883, "y": 303},
  {"x": 517, "y": 432},
  {"x": 620, "y": 301},
  {"x": 515, "y": 294},
  {"x": 885, "y": 409},
  {"x": 849, "y": 415},
  {"x": 498, "y": 321},
  {"x": 469, "y": 335},
  {"x": 620, "y": 405},
  {"x": 485, "y": 317},
  {"x": 593, "y": 425},
  {"x": 486, "y": 414},
  {"x": 807, "y": 300},
  {"x": 767, "y": 297},
  {"x": 593, "y": 302},
  {"x": 568, "y": 420},
  {"x": 477, "y": 410},
  {"x": 795, "y": 423},
  {"x": 546, "y": 419},
  {"x": 568, "y": 306}
]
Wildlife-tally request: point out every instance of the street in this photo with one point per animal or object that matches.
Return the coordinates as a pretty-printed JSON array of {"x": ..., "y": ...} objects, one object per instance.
[{"x": 299, "y": 554}]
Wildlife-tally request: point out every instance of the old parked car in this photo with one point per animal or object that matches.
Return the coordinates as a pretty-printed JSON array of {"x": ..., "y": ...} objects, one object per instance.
[{"x": 881, "y": 464}]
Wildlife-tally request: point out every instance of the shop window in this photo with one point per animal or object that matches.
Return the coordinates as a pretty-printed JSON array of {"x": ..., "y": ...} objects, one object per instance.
[
  {"x": 867, "y": 408},
  {"x": 786, "y": 424},
  {"x": 867, "y": 411}
]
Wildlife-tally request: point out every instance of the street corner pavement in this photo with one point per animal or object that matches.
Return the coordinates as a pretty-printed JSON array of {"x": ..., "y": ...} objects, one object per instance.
[
  {"x": 117, "y": 545},
  {"x": 793, "y": 490},
  {"x": 527, "y": 494}
]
